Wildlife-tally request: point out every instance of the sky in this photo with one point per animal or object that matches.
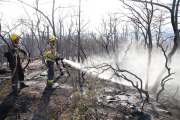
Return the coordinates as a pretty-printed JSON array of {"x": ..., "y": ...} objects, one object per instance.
[
  {"x": 90, "y": 6},
  {"x": 92, "y": 10}
]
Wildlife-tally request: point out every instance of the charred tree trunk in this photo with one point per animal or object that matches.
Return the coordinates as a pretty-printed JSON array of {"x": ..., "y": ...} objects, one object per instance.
[{"x": 174, "y": 22}]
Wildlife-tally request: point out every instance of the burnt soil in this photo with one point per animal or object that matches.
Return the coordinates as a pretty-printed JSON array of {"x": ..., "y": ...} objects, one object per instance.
[{"x": 38, "y": 103}]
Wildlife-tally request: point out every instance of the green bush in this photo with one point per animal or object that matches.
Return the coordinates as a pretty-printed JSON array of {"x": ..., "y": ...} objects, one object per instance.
[{"x": 80, "y": 105}]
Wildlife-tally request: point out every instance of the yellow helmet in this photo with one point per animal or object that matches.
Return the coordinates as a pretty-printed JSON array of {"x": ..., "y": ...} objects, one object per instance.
[
  {"x": 52, "y": 38},
  {"x": 14, "y": 37}
]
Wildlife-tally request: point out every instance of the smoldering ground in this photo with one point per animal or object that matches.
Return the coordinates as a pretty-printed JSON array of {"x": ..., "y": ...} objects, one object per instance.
[{"x": 133, "y": 60}]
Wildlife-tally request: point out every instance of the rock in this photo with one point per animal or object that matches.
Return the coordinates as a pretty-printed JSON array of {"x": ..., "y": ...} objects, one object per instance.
[
  {"x": 110, "y": 98},
  {"x": 124, "y": 104},
  {"x": 132, "y": 106},
  {"x": 118, "y": 91},
  {"x": 42, "y": 74},
  {"x": 122, "y": 93},
  {"x": 169, "y": 113},
  {"x": 108, "y": 91},
  {"x": 127, "y": 117},
  {"x": 111, "y": 101},
  {"x": 127, "y": 94}
]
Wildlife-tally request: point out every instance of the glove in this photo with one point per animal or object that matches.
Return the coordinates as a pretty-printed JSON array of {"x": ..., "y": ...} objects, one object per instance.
[
  {"x": 57, "y": 58},
  {"x": 13, "y": 50},
  {"x": 61, "y": 58},
  {"x": 6, "y": 54}
]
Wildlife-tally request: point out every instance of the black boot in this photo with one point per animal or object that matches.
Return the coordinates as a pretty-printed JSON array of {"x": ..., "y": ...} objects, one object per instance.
[
  {"x": 49, "y": 86},
  {"x": 15, "y": 90},
  {"x": 22, "y": 85}
]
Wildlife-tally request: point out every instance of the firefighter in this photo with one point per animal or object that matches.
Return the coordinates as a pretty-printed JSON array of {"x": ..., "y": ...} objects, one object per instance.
[
  {"x": 50, "y": 59},
  {"x": 19, "y": 73}
]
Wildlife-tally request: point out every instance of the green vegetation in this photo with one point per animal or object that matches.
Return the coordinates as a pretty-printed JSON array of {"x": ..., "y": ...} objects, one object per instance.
[{"x": 81, "y": 103}]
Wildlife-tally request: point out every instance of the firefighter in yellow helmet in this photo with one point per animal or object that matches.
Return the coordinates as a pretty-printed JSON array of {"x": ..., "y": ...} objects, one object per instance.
[
  {"x": 51, "y": 58},
  {"x": 19, "y": 73}
]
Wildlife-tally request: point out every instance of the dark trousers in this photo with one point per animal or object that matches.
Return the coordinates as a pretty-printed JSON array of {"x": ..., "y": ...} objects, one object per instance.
[
  {"x": 19, "y": 73},
  {"x": 50, "y": 65}
]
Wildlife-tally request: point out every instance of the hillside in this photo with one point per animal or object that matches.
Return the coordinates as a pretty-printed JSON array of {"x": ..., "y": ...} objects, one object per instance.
[{"x": 38, "y": 103}]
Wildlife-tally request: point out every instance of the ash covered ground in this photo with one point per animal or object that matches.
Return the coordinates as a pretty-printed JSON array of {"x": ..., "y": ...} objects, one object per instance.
[{"x": 38, "y": 103}]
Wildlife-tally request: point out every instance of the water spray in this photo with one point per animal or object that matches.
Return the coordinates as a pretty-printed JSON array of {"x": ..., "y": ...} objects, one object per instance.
[{"x": 95, "y": 72}]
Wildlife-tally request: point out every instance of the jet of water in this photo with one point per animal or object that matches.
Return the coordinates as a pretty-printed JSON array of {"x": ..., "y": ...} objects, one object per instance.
[{"x": 95, "y": 72}]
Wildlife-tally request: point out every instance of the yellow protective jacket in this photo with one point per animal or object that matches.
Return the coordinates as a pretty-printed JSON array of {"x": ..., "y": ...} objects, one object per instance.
[{"x": 51, "y": 53}]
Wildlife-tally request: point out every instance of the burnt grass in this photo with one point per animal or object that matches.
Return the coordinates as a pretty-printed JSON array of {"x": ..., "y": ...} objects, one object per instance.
[{"x": 38, "y": 103}]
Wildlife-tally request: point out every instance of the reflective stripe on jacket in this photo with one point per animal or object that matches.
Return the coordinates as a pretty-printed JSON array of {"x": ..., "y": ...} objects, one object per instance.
[{"x": 51, "y": 53}]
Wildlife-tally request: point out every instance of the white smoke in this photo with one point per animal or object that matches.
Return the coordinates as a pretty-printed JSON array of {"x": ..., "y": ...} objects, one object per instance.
[{"x": 134, "y": 61}]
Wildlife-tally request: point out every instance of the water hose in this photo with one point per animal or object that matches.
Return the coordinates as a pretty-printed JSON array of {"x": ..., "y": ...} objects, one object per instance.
[
  {"x": 31, "y": 58},
  {"x": 10, "y": 78},
  {"x": 16, "y": 68},
  {"x": 61, "y": 72}
]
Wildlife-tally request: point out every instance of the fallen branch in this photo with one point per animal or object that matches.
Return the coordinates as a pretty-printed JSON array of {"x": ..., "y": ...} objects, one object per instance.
[
  {"x": 105, "y": 67},
  {"x": 37, "y": 74}
]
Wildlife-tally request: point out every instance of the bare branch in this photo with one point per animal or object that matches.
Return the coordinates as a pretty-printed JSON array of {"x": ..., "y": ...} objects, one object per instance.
[
  {"x": 154, "y": 4},
  {"x": 38, "y": 11},
  {"x": 175, "y": 92},
  {"x": 165, "y": 79},
  {"x": 105, "y": 67}
]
